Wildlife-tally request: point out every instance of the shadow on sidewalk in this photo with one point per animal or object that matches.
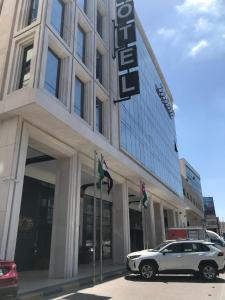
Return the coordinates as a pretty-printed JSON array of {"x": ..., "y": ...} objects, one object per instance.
[
  {"x": 82, "y": 296},
  {"x": 173, "y": 278}
]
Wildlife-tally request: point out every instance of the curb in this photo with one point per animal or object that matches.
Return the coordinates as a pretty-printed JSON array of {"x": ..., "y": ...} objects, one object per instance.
[{"x": 67, "y": 287}]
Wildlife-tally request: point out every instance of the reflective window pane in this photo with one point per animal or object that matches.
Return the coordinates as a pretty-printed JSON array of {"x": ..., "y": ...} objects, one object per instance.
[
  {"x": 80, "y": 49},
  {"x": 52, "y": 73},
  {"x": 83, "y": 5},
  {"x": 99, "y": 66},
  {"x": 99, "y": 115},
  {"x": 58, "y": 8},
  {"x": 33, "y": 11},
  {"x": 99, "y": 23},
  {"x": 79, "y": 97},
  {"x": 25, "y": 72}
]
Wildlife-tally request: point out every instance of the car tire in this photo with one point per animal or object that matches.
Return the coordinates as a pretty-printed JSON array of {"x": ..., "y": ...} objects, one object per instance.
[
  {"x": 147, "y": 270},
  {"x": 208, "y": 272}
]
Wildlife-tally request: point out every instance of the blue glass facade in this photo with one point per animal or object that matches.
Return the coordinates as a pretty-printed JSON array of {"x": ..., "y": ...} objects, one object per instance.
[{"x": 147, "y": 132}]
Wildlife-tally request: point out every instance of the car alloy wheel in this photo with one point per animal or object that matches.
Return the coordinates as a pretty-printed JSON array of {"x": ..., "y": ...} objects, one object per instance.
[
  {"x": 147, "y": 271},
  {"x": 209, "y": 272}
]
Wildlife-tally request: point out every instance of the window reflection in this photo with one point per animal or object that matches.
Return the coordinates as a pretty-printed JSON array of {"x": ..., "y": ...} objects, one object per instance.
[
  {"x": 79, "y": 98},
  {"x": 52, "y": 73},
  {"x": 80, "y": 43},
  {"x": 25, "y": 72},
  {"x": 99, "y": 115},
  {"x": 33, "y": 11},
  {"x": 57, "y": 19},
  {"x": 99, "y": 66}
]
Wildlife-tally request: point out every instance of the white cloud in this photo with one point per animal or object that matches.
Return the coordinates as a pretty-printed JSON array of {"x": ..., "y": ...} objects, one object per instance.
[
  {"x": 203, "y": 6},
  {"x": 223, "y": 36},
  {"x": 203, "y": 24},
  {"x": 175, "y": 107},
  {"x": 196, "y": 49},
  {"x": 167, "y": 33}
]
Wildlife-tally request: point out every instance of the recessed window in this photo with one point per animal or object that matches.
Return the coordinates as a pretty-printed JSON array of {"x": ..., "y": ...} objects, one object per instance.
[
  {"x": 99, "y": 60},
  {"x": 99, "y": 115},
  {"x": 26, "y": 63},
  {"x": 79, "y": 98},
  {"x": 99, "y": 23},
  {"x": 33, "y": 11},
  {"x": 80, "y": 49},
  {"x": 57, "y": 19},
  {"x": 83, "y": 5},
  {"x": 52, "y": 74}
]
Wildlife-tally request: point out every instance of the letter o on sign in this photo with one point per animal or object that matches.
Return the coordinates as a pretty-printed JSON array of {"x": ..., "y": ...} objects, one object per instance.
[{"x": 124, "y": 11}]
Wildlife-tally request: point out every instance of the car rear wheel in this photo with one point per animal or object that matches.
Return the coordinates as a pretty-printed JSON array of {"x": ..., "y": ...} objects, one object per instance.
[
  {"x": 147, "y": 270},
  {"x": 208, "y": 272}
]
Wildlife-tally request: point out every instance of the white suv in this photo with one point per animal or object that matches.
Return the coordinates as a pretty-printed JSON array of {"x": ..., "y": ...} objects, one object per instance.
[{"x": 178, "y": 257}]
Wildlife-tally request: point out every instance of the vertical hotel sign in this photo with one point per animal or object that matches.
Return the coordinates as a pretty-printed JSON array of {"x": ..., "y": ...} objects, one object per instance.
[{"x": 127, "y": 50}]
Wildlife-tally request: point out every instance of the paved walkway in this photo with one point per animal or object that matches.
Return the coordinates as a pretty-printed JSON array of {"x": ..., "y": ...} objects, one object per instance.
[{"x": 162, "y": 288}]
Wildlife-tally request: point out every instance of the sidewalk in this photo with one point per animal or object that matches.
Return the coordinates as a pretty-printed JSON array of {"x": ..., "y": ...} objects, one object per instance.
[{"x": 35, "y": 285}]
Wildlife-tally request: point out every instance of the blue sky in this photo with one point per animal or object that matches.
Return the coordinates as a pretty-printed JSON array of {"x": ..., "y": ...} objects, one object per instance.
[{"x": 188, "y": 38}]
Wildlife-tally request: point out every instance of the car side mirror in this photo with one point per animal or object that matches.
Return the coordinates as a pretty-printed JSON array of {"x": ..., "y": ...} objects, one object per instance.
[{"x": 165, "y": 251}]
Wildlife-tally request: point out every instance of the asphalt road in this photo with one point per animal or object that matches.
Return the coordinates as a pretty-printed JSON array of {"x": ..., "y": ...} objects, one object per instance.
[{"x": 132, "y": 287}]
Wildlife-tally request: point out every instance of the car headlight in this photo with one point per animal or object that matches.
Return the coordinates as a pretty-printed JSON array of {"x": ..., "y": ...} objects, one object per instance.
[{"x": 134, "y": 256}]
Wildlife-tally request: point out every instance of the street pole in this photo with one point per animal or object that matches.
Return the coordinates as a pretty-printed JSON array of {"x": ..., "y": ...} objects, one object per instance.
[
  {"x": 101, "y": 275},
  {"x": 94, "y": 221}
]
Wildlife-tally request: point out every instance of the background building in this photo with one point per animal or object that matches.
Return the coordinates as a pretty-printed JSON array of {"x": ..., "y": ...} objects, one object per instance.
[
  {"x": 58, "y": 83},
  {"x": 192, "y": 191},
  {"x": 211, "y": 220}
]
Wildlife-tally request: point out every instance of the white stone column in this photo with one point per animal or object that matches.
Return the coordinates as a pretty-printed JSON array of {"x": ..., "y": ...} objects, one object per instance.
[
  {"x": 174, "y": 218},
  {"x": 121, "y": 223},
  {"x": 65, "y": 230},
  {"x": 13, "y": 151},
  {"x": 149, "y": 234},
  {"x": 162, "y": 222}
]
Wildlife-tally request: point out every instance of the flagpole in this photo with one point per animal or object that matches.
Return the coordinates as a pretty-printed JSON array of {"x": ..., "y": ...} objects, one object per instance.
[
  {"x": 101, "y": 275},
  {"x": 94, "y": 221}
]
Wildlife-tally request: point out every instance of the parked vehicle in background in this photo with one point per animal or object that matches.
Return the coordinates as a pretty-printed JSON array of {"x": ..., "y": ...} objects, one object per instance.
[
  {"x": 198, "y": 233},
  {"x": 8, "y": 280},
  {"x": 178, "y": 257}
]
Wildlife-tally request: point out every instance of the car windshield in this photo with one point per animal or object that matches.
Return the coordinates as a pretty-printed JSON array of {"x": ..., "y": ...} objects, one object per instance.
[{"x": 160, "y": 246}]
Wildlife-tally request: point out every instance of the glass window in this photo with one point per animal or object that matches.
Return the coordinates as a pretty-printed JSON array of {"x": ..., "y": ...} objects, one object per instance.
[
  {"x": 99, "y": 23},
  {"x": 187, "y": 247},
  {"x": 52, "y": 73},
  {"x": 57, "y": 19},
  {"x": 83, "y": 5},
  {"x": 79, "y": 97},
  {"x": 33, "y": 11},
  {"x": 174, "y": 248},
  {"x": 99, "y": 66},
  {"x": 80, "y": 43},
  {"x": 99, "y": 114},
  {"x": 25, "y": 72}
]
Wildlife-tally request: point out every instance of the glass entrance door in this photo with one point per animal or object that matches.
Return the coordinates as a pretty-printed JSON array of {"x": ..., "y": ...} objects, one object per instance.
[{"x": 35, "y": 225}]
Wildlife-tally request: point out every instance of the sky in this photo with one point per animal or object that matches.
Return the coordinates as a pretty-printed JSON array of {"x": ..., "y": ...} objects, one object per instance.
[{"x": 188, "y": 39}]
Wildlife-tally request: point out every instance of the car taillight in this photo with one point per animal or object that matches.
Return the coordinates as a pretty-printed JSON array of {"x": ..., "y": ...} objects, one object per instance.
[{"x": 220, "y": 254}]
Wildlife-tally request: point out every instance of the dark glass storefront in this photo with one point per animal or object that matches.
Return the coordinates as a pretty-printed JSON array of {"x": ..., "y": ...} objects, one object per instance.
[
  {"x": 35, "y": 225},
  {"x": 136, "y": 230},
  {"x": 86, "y": 246}
]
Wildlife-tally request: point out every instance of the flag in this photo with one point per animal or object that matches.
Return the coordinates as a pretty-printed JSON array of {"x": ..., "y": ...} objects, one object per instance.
[
  {"x": 103, "y": 173},
  {"x": 100, "y": 174},
  {"x": 109, "y": 178},
  {"x": 144, "y": 199}
]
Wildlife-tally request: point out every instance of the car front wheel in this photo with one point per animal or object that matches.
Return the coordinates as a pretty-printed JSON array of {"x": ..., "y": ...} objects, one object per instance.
[
  {"x": 147, "y": 270},
  {"x": 208, "y": 272}
]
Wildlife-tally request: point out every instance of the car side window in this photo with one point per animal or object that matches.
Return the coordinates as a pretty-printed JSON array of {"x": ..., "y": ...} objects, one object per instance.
[
  {"x": 174, "y": 248},
  {"x": 203, "y": 248},
  {"x": 187, "y": 247}
]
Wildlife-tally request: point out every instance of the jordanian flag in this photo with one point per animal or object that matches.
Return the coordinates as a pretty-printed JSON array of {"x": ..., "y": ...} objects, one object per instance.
[
  {"x": 144, "y": 199},
  {"x": 103, "y": 173}
]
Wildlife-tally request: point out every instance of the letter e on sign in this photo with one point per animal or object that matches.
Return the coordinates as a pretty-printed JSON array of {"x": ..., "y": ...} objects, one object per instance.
[{"x": 128, "y": 58}]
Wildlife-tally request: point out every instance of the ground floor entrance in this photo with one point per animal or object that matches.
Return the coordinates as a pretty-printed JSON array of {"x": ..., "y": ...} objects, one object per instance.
[{"x": 136, "y": 230}]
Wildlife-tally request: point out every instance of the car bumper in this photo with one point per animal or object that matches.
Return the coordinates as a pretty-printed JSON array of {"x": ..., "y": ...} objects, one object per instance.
[{"x": 132, "y": 265}]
